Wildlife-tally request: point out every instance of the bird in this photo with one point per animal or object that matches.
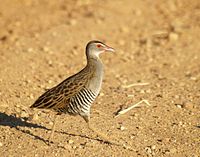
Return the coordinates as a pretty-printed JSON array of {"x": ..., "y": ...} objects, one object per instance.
[{"x": 75, "y": 95}]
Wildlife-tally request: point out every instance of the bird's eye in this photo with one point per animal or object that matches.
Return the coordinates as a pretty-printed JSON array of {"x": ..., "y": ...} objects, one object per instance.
[{"x": 99, "y": 46}]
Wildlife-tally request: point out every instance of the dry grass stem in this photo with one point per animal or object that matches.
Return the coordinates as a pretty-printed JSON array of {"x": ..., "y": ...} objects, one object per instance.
[
  {"x": 135, "y": 84},
  {"x": 131, "y": 107}
]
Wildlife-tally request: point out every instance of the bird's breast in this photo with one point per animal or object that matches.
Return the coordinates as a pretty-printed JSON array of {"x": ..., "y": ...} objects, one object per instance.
[{"x": 96, "y": 79}]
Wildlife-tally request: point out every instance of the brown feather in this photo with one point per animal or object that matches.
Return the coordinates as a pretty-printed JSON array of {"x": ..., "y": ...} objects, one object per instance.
[{"x": 59, "y": 96}]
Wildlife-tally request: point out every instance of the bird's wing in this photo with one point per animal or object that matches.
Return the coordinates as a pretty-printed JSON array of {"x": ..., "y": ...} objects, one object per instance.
[{"x": 59, "y": 96}]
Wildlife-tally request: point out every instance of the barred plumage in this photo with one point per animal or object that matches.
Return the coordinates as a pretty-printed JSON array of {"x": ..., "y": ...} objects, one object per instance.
[
  {"x": 76, "y": 94},
  {"x": 82, "y": 101}
]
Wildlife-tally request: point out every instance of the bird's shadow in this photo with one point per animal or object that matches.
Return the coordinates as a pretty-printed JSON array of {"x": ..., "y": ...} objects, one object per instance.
[
  {"x": 17, "y": 123},
  {"x": 13, "y": 122},
  {"x": 82, "y": 136}
]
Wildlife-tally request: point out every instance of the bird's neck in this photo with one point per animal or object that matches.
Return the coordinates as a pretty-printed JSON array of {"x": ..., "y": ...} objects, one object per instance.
[
  {"x": 95, "y": 63},
  {"x": 95, "y": 67}
]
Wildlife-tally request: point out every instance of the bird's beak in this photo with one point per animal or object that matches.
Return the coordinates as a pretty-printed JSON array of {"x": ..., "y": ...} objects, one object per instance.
[{"x": 109, "y": 49}]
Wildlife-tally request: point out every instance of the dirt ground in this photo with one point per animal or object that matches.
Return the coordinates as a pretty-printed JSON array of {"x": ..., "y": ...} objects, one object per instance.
[{"x": 157, "y": 43}]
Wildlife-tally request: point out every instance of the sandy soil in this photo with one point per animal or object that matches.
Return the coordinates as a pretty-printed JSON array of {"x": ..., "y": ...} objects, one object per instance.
[{"x": 157, "y": 42}]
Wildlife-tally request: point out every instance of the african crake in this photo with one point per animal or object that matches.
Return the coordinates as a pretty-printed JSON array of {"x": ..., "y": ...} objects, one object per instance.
[{"x": 75, "y": 95}]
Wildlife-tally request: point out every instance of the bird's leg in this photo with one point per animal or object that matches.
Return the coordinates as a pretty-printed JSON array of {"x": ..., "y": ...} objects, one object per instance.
[
  {"x": 101, "y": 135},
  {"x": 106, "y": 139},
  {"x": 52, "y": 129}
]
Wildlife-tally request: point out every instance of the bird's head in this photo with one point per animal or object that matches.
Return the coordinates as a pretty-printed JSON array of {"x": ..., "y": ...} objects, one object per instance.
[{"x": 94, "y": 48}]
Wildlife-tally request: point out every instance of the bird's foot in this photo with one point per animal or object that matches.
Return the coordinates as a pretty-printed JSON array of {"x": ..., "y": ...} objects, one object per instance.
[
  {"x": 115, "y": 142},
  {"x": 106, "y": 139}
]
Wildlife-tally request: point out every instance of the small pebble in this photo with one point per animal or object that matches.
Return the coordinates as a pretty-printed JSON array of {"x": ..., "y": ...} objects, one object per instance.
[
  {"x": 160, "y": 77},
  {"x": 70, "y": 141},
  {"x": 99, "y": 21},
  {"x": 158, "y": 85},
  {"x": 67, "y": 146},
  {"x": 173, "y": 36},
  {"x": 180, "y": 123},
  {"x": 50, "y": 81},
  {"x": 36, "y": 35},
  {"x": 1, "y": 144},
  {"x": 74, "y": 52},
  {"x": 50, "y": 123},
  {"x": 50, "y": 62},
  {"x": 142, "y": 91},
  {"x": 173, "y": 150},
  {"x": 101, "y": 94},
  {"x": 188, "y": 106},
  {"x": 122, "y": 128},
  {"x": 148, "y": 150},
  {"x": 178, "y": 105},
  {"x": 54, "y": 34},
  {"x": 35, "y": 117},
  {"x": 73, "y": 22},
  {"x": 161, "y": 34},
  {"x": 18, "y": 106},
  {"x": 31, "y": 96},
  {"x": 30, "y": 49},
  {"x": 24, "y": 114},
  {"x": 121, "y": 42},
  {"x": 193, "y": 78},
  {"x": 153, "y": 147},
  {"x": 176, "y": 96},
  {"x": 148, "y": 91},
  {"x": 167, "y": 139},
  {"x": 178, "y": 25},
  {"x": 131, "y": 137},
  {"x": 45, "y": 49},
  {"x": 138, "y": 12},
  {"x": 74, "y": 147},
  {"x": 124, "y": 29},
  {"x": 18, "y": 23},
  {"x": 167, "y": 151},
  {"x": 18, "y": 110}
]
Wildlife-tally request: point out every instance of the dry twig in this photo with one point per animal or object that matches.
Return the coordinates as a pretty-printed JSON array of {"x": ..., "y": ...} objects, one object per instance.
[
  {"x": 131, "y": 107},
  {"x": 135, "y": 84}
]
